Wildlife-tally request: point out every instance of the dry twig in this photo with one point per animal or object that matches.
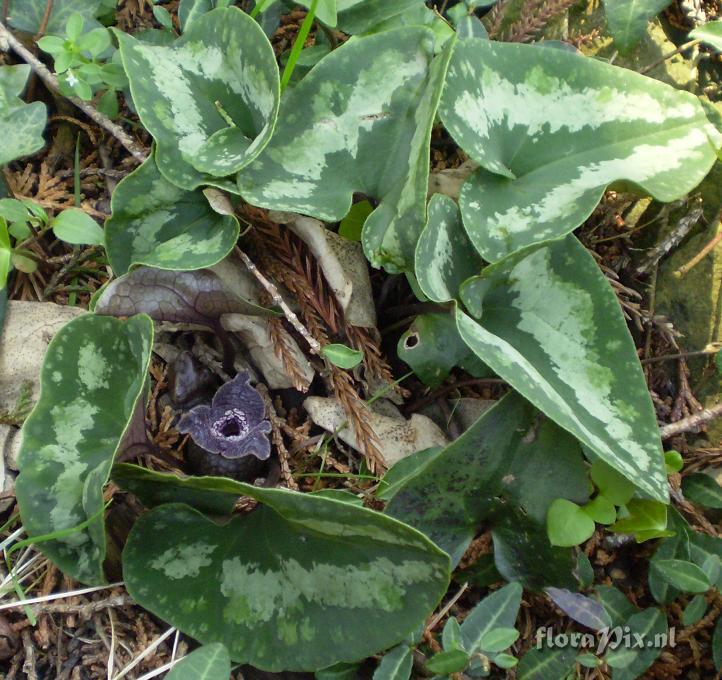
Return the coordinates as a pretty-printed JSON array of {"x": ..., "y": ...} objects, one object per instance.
[{"x": 7, "y": 38}]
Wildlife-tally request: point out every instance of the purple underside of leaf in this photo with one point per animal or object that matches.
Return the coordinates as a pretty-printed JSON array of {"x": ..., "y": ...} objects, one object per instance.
[
  {"x": 233, "y": 426},
  {"x": 198, "y": 297}
]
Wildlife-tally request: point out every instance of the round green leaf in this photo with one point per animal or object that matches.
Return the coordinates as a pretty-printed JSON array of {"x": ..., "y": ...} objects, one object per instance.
[
  {"x": 568, "y": 524},
  {"x": 155, "y": 223},
  {"x": 210, "y": 99},
  {"x": 77, "y": 227},
  {"x": 300, "y": 583},
  {"x": 601, "y": 510},
  {"x": 673, "y": 461}
]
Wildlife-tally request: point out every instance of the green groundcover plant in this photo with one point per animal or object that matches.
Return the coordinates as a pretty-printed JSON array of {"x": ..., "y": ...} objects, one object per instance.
[{"x": 307, "y": 581}]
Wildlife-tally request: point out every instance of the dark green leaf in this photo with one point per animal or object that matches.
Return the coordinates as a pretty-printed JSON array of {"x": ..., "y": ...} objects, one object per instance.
[
  {"x": 300, "y": 583},
  {"x": 651, "y": 624},
  {"x": 683, "y": 575},
  {"x": 214, "y": 495},
  {"x": 504, "y": 454},
  {"x": 703, "y": 490},
  {"x": 548, "y": 322},
  {"x": 616, "y": 604},
  {"x": 92, "y": 377},
  {"x": 352, "y": 225},
  {"x": 155, "y": 223},
  {"x": 546, "y": 664},
  {"x": 695, "y": 610}
]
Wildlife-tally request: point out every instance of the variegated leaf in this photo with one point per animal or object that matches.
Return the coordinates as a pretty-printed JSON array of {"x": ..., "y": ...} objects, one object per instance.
[
  {"x": 507, "y": 458},
  {"x": 363, "y": 16},
  {"x": 368, "y": 132},
  {"x": 551, "y": 130},
  {"x": 209, "y": 99},
  {"x": 627, "y": 20},
  {"x": 445, "y": 257},
  {"x": 22, "y": 123},
  {"x": 547, "y": 321},
  {"x": 29, "y": 15},
  {"x": 156, "y": 223},
  {"x": 93, "y": 375},
  {"x": 300, "y": 583}
]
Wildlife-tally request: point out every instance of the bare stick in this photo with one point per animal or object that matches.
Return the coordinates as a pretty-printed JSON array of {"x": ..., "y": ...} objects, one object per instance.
[
  {"x": 699, "y": 256},
  {"x": 278, "y": 300},
  {"x": 690, "y": 422},
  {"x": 669, "y": 55},
  {"x": 6, "y": 37}
]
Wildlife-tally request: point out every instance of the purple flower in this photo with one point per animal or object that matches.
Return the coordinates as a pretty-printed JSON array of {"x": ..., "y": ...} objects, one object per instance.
[{"x": 233, "y": 425}]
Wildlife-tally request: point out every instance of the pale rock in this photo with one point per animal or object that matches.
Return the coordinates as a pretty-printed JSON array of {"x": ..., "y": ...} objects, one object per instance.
[{"x": 397, "y": 437}]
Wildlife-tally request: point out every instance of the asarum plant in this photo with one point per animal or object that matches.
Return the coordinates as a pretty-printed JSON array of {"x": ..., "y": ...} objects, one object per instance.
[{"x": 308, "y": 580}]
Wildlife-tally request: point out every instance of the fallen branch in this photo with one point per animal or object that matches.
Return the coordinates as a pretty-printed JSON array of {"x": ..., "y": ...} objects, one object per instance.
[
  {"x": 699, "y": 256},
  {"x": 278, "y": 300},
  {"x": 691, "y": 422},
  {"x": 7, "y": 39}
]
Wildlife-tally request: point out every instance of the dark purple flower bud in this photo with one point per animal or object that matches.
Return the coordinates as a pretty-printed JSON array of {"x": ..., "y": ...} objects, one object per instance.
[{"x": 233, "y": 425}]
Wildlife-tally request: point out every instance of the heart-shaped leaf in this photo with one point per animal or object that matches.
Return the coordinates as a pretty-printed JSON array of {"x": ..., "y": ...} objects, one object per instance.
[
  {"x": 92, "y": 377},
  {"x": 709, "y": 33},
  {"x": 502, "y": 455},
  {"x": 445, "y": 257},
  {"x": 548, "y": 322},
  {"x": 568, "y": 524},
  {"x": 212, "y": 495},
  {"x": 155, "y": 223},
  {"x": 210, "y": 99},
  {"x": 368, "y": 133},
  {"x": 26, "y": 121},
  {"x": 29, "y": 15},
  {"x": 300, "y": 583},
  {"x": 363, "y": 16},
  {"x": 551, "y": 130},
  {"x": 210, "y": 662},
  {"x": 181, "y": 297},
  {"x": 432, "y": 347},
  {"x": 627, "y": 20}
]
